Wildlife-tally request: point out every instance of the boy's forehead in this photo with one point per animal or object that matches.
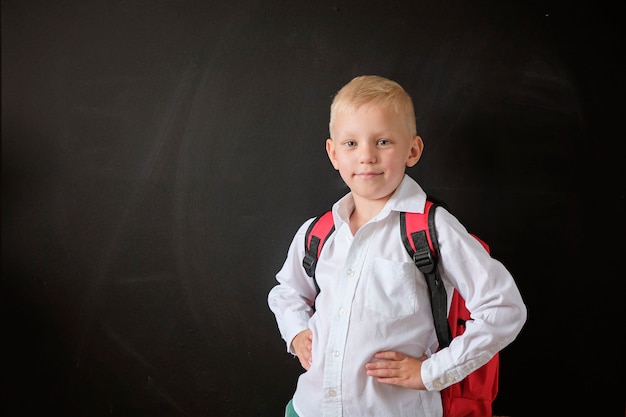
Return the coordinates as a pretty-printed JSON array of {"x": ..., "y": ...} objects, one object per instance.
[{"x": 373, "y": 119}]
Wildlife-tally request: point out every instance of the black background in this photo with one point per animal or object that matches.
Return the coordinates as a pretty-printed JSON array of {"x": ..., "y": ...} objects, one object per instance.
[{"x": 157, "y": 157}]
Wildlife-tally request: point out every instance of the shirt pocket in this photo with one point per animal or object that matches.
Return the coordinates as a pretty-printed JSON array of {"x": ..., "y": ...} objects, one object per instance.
[{"x": 391, "y": 288}]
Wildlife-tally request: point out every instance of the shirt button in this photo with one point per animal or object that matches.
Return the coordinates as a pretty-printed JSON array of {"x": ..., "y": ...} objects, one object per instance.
[
  {"x": 342, "y": 311},
  {"x": 336, "y": 353},
  {"x": 449, "y": 378},
  {"x": 437, "y": 385},
  {"x": 332, "y": 392},
  {"x": 350, "y": 272}
]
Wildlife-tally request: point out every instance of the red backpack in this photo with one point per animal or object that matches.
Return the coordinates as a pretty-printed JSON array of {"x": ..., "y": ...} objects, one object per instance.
[{"x": 472, "y": 396}]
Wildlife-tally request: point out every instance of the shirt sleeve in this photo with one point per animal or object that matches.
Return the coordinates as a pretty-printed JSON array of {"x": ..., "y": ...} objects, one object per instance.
[
  {"x": 291, "y": 300},
  {"x": 497, "y": 310}
]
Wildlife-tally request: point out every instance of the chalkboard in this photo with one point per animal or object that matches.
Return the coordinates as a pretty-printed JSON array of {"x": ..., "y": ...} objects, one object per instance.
[{"x": 158, "y": 156}]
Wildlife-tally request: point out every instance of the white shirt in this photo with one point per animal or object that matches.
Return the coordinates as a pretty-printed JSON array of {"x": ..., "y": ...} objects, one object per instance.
[{"x": 373, "y": 298}]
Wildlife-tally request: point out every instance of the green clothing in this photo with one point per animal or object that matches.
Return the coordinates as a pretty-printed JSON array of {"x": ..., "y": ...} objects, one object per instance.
[{"x": 289, "y": 411}]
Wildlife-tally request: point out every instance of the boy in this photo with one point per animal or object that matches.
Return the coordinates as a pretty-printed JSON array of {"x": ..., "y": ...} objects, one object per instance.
[{"x": 367, "y": 340}]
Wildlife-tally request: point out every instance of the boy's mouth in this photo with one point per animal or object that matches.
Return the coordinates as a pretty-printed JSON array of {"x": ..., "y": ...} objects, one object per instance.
[{"x": 367, "y": 175}]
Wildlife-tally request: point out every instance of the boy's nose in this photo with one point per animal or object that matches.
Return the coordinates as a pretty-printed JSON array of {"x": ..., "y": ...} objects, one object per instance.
[{"x": 367, "y": 154}]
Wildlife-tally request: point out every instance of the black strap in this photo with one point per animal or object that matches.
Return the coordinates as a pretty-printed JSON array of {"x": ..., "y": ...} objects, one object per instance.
[
  {"x": 310, "y": 257},
  {"x": 319, "y": 233},
  {"x": 438, "y": 300},
  {"x": 426, "y": 261}
]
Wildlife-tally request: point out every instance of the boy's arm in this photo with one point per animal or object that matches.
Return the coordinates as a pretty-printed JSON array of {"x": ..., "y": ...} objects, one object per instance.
[
  {"x": 498, "y": 312},
  {"x": 292, "y": 299}
]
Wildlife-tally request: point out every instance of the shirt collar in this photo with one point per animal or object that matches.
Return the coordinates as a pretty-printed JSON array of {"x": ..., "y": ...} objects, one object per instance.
[{"x": 409, "y": 196}]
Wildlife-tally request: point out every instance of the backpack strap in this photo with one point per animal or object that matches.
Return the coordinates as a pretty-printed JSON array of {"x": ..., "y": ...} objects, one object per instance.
[
  {"x": 420, "y": 240},
  {"x": 314, "y": 239}
]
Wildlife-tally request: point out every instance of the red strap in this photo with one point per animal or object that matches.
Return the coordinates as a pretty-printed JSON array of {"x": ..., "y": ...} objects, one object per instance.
[
  {"x": 418, "y": 221},
  {"x": 322, "y": 227}
]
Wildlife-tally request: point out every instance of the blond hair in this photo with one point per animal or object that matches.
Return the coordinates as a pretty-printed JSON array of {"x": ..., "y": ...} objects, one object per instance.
[{"x": 374, "y": 89}]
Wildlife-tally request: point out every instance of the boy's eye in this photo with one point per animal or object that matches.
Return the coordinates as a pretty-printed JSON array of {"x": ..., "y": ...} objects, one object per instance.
[
  {"x": 382, "y": 142},
  {"x": 350, "y": 143}
]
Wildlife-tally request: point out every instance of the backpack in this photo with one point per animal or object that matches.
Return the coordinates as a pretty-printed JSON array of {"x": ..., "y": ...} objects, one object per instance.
[{"x": 472, "y": 396}]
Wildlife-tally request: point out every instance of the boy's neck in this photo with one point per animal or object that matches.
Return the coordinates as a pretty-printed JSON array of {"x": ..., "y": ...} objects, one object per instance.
[{"x": 364, "y": 211}]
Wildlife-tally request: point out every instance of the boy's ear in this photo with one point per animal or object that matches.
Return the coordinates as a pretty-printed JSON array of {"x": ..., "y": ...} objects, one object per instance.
[
  {"x": 330, "y": 150},
  {"x": 417, "y": 146}
]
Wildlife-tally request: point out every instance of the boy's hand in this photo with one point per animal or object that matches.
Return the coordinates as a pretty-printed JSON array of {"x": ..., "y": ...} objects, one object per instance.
[
  {"x": 396, "y": 368},
  {"x": 302, "y": 345}
]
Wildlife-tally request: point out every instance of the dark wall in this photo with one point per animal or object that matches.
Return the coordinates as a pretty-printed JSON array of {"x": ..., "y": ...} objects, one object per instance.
[{"x": 157, "y": 157}]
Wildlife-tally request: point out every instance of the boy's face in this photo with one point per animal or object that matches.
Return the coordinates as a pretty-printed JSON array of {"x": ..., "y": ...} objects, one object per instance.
[{"x": 371, "y": 149}]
